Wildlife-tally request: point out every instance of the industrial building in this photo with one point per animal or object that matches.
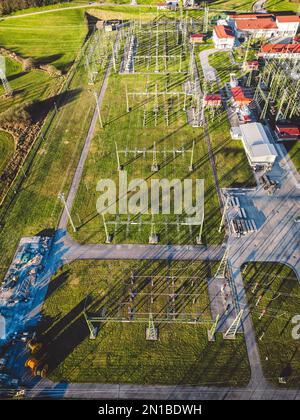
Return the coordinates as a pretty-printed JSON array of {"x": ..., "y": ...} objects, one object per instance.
[
  {"x": 287, "y": 132},
  {"x": 197, "y": 38},
  {"x": 280, "y": 51},
  {"x": 214, "y": 100},
  {"x": 259, "y": 150},
  {"x": 265, "y": 25},
  {"x": 223, "y": 37}
]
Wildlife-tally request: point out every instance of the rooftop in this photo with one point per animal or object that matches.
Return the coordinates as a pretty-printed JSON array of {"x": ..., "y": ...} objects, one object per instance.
[
  {"x": 290, "y": 18},
  {"x": 251, "y": 16},
  {"x": 257, "y": 144},
  {"x": 239, "y": 95},
  {"x": 223, "y": 31},
  {"x": 267, "y": 23},
  {"x": 281, "y": 48}
]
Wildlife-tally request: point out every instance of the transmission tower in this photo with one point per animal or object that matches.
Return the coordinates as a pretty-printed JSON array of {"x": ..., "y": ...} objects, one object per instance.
[
  {"x": 213, "y": 329},
  {"x": 91, "y": 327},
  {"x": 205, "y": 18},
  {"x": 154, "y": 166},
  {"x": 221, "y": 271},
  {"x": 153, "y": 238},
  {"x": 232, "y": 330},
  {"x": 224, "y": 212},
  {"x": 6, "y": 86},
  {"x": 151, "y": 331}
]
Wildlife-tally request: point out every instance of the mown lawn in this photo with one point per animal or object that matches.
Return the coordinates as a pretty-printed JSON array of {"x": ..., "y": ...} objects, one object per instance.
[
  {"x": 282, "y": 5},
  {"x": 7, "y": 148},
  {"x": 49, "y": 38},
  {"x": 120, "y": 353},
  {"x": 28, "y": 87},
  {"x": 273, "y": 293},
  {"x": 36, "y": 207},
  {"x": 223, "y": 65},
  {"x": 231, "y": 161}
]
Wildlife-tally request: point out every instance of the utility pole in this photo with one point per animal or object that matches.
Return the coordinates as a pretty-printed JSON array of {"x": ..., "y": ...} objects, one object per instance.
[{"x": 61, "y": 196}]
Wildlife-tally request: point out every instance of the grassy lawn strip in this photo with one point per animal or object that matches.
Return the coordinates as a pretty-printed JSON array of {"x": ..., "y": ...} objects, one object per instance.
[
  {"x": 7, "y": 148},
  {"x": 222, "y": 64},
  {"x": 49, "y": 38},
  {"x": 231, "y": 161},
  {"x": 279, "y": 293},
  {"x": 28, "y": 87},
  {"x": 120, "y": 353},
  {"x": 284, "y": 6}
]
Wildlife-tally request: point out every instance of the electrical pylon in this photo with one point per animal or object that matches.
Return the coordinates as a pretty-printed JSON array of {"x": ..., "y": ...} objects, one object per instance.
[
  {"x": 221, "y": 271},
  {"x": 232, "y": 330},
  {"x": 151, "y": 331},
  {"x": 213, "y": 329}
]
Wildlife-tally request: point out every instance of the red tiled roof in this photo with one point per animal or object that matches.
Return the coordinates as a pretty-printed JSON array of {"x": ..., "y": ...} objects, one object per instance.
[
  {"x": 197, "y": 35},
  {"x": 223, "y": 31},
  {"x": 212, "y": 98},
  {"x": 251, "y": 16},
  {"x": 290, "y": 18},
  {"x": 238, "y": 95},
  {"x": 280, "y": 48},
  {"x": 288, "y": 130},
  {"x": 256, "y": 24}
]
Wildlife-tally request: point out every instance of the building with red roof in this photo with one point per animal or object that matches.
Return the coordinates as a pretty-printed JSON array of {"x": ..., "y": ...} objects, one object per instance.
[
  {"x": 251, "y": 65},
  {"x": 280, "y": 51},
  {"x": 240, "y": 96},
  {"x": 197, "y": 38},
  {"x": 266, "y": 25},
  {"x": 223, "y": 37},
  {"x": 213, "y": 100},
  {"x": 287, "y": 132}
]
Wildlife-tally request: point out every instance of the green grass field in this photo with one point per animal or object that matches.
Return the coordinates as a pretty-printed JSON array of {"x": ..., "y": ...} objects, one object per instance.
[
  {"x": 279, "y": 292},
  {"x": 238, "y": 173},
  {"x": 7, "y": 148},
  {"x": 223, "y": 65},
  {"x": 28, "y": 87},
  {"x": 36, "y": 207},
  {"x": 51, "y": 38},
  {"x": 120, "y": 353},
  {"x": 279, "y": 5}
]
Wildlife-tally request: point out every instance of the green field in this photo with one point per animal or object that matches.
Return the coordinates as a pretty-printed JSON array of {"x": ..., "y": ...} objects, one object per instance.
[
  {"x": 7, "y": 148},
  {"x": 278, "y": 289},
  {"x": 279, "y": 5},
  {"x": 52, "y": 38},
  {"x": 28, "y": 87},
  {"x": 223, "y": 65},
  {"x": 120, "y": 353},
  {"x": 238, "y": 173}
]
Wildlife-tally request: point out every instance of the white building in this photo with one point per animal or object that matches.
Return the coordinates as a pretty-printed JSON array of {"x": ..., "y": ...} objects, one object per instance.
[
  {"x": 263, "y": 25},
  {"x": 223, "y": 37},
  {"x": 258, "y": 148},
  {"x": 288, "y": 25}
]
